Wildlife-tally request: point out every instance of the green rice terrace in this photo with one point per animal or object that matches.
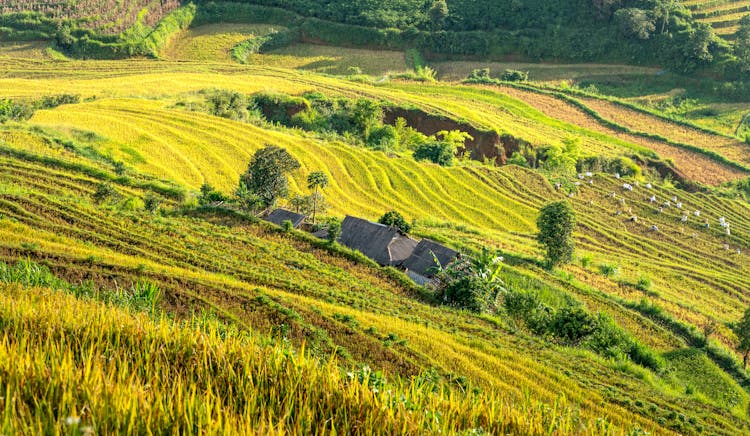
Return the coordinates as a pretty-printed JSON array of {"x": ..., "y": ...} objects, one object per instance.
[{"x": 229, "y": 218}]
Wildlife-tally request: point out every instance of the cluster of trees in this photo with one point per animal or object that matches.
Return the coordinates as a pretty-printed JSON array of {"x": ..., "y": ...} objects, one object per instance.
[{"x": 359, "y": 121}]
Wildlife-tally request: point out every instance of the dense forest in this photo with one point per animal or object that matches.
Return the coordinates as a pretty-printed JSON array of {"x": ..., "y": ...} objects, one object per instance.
[{"x": 637, "y": 31}]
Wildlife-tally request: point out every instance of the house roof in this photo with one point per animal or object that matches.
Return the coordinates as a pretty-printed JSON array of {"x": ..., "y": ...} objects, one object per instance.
[
  {"x": 422, "y": 261},
  {"x": 278, "y": 217},
  {"x": 384, "y": 244}
]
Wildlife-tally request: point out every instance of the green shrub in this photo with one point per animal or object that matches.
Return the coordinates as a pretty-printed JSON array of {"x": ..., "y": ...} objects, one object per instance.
[
  {"x": 518, "y": 159},
  {"x": 105, "y": 192},
  {"x": 151, "y": 203},
  {"x": 13, "y": 110},
  {"x": 514, "y": 76},
  {"x": 334, "y": 230},
  {"x": 644, "y": 356},
  {"x": 585, "y": 261},
  {"x": 227, "y": 104},
  {"x": 131, "y": 204},
  {"x": 609, "y": 270},
  {"x": 383, "y": 138},
  {"x": 644, "y": 284},
  {"x": 210, "y": 195},
  {"x": 572, "y": 325},
  {"x": 437, "y": 152},
  {"x": 395, "y": 219}
]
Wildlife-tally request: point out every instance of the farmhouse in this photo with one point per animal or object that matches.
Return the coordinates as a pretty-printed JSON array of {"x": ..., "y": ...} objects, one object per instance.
[
  {"x": 278, "y": 217},
  {"x": 386, "y": 245},
  {"x": 420, "y": 266}
]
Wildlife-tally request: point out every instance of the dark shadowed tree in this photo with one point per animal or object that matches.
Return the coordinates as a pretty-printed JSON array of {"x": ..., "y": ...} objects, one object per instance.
[
  {"x": 556, "y": 223},
  {"x": 742, "y": 44},
  {"x": 266, "y": 176},
  {"x": 635, "y": 22},
  {"x": 742, "y": 330},
  {"x": 438, "y": 14}
]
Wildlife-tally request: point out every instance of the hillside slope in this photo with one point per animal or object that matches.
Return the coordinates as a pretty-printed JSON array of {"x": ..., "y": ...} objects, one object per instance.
[{"x": 99, "y": 198}]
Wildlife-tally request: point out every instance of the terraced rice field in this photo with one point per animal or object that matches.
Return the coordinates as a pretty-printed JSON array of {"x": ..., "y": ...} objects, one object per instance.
[
  {"x": 722, "y": 15},
  {"x": 732, "y": 148},
  {"x": 201, "y": 148},
  {"x": 258, "y": 278},
  {"x": 288, "y": 286}
]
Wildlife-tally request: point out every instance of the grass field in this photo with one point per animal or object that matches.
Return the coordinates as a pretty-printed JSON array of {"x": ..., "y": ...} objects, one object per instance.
[
  {"x": 212, "y": 42},
  {"x": 24, "y": 50},
  {"x": 333, "y": 60}
]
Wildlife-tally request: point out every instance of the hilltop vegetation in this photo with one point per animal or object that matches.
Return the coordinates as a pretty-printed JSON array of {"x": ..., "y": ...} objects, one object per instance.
[{"x": 643, "y": 32}]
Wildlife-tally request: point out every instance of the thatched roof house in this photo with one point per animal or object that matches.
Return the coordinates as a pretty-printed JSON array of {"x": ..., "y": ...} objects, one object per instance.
[
  {"x": 386, "y": 245},
  {"x": 420, "y": 266},
  {"x": 278, "y": 217}
]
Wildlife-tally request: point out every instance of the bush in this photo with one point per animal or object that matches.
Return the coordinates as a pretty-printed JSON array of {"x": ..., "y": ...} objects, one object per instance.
[
  {"x": 437, "y": 152},
  {"x": 572, "y": 325},
  {"x": 334, "y": 230},
  {"x": 151, "y": 203},
  {"x": 514, "y": 76},
  {"x": 287, "y": 226},
  {"x": 11, "y": 110},
  {"x": 466, "y": 293},
  {"x": 518, "y": 159},
  {"x": 609, "y": 270},
  {"x": 210, "y": 195},
  {"x": 383, "y": 138},
  {"x": 395, "y": 219},
  {"x": 644, "y": 356},
  {"x": 227, "y": 104},
  {"x": 104, "y": 192}
]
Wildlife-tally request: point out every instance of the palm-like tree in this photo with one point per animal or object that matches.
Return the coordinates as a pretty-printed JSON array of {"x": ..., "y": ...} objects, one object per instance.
[{"x": 316, "y": 180}]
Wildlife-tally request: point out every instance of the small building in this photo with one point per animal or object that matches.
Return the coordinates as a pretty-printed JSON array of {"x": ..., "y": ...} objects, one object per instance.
[
  {"x": 278, "y": 217},
  {"x": 421, "y": 267},
  {"x": 386, "y": 245}
]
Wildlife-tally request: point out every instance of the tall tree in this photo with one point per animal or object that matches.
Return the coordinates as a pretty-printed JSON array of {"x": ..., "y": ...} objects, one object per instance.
[
  {"x": 438, "y": 14},
  {"x": 742, "y": 330},
  {"x": 316, "y": 180},
  {"x": 266, "y": 176},
  {"x": 556, "y": 223},
  {"x": 742, "y": 44}
]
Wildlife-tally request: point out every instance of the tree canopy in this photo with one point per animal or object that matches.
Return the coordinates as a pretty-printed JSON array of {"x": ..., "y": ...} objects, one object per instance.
[
  {"x": 266, "y": 176},
  {"x": 556, "y": 223},
  {"x": 395, "y": 219}
]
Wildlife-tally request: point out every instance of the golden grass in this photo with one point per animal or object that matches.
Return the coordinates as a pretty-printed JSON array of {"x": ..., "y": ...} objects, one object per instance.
[{"x": 212, "y": 42}]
